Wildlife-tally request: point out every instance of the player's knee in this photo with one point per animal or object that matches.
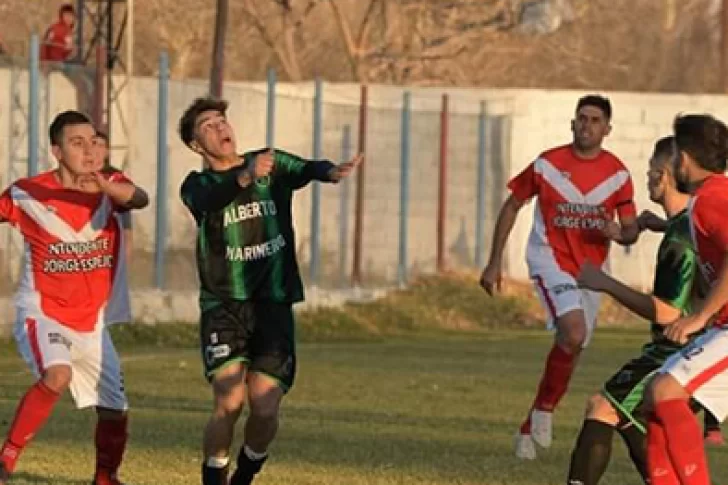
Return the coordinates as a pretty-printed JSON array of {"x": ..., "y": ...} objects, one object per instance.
[
  {"x": 598, "y": 407},
  {"x": 57, "y": 378},
  {"x": 572, "y": 331},
  {"x": 664, "y": 387},
  {"x": 573, "y": 339},
  {"x": 265, "y": 405}
]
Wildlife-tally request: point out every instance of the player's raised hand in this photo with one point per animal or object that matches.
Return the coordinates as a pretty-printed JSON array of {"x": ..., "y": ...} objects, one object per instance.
[
  {"x": 591, "y": 277},
  {"x": 263, "y": 164},
  {"x": 651, "y": 221},
  {"x": 491, "y": 280},
  {"x": 345, "y": 169},
  {"x": 612, "y": 230},
  {"x": 681, "y": 330}
]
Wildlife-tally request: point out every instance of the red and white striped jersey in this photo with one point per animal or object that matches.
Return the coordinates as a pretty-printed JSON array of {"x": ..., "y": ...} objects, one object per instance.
[
  {"x": 72, "y": 246},
  {"x": 709, "y": 227},
  {"x": 575, "y": 197}
]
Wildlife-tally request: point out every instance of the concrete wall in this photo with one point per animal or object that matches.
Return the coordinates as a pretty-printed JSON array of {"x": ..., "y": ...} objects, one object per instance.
[{"x": 521, "y": 123}]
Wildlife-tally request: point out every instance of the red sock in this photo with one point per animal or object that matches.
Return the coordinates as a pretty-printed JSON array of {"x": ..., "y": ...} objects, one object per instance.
[
  {"x": 684, "y": 441},
  {"x": 555, "y": 381},
  {"x": 33, "y": 411},
  {"x": 110, "y": 440},
  {"x": 659, "y": 466}
]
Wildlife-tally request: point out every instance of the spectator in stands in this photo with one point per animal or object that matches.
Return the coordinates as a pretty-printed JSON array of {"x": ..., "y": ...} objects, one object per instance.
[{"x": 58, "y": 44}]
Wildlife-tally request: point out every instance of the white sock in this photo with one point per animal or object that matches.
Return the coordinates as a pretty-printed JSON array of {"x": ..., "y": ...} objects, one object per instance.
[
  {"x": 252, "y": 455},
  {"x": 217, "y": 462}
]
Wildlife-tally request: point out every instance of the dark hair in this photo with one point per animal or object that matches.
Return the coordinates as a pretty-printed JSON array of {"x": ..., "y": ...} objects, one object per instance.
[
  {"x": 66, "y": 8},
  {"x": 102, "y": 135},
  {"x": 664, "y": 149},
  {"x": 189, "y": 118},
  {"x": 67, "y": 118},
  {"x": 704, "y": 138},
  {"x": 598, "y": 102}
]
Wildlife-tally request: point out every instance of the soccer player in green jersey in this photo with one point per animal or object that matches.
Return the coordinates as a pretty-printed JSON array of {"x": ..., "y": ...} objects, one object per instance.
[
  {"x": 619, "y": 407},
  {"x": 249, "y": 281}
]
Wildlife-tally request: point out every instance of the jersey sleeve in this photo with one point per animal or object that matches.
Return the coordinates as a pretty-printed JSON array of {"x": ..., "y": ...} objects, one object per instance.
[
  {"x": 9, "y": 211},
  {"x": 296, "y": 171},
  {"x": 201, "y": 193},
  {"x": 675, "y": 274},
  {"x": 709, "y": 214},
  {"x": 624, "y": 202},
  {"x": 526, "y": 184}
]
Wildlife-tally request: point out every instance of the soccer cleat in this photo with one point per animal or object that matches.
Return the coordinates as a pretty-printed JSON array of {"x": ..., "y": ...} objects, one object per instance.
[
  {"x": 104, "y": 480},
  {"x": 247, "y": 469},
  {"x": 714, "y": 437},
  {"x": 541, "y": 427},
  {"x": 525, "y": 449}
]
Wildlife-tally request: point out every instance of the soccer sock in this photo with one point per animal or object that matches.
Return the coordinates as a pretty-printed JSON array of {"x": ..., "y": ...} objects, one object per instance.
[
  {"x": 637, "y": 447},
  {"x": 560, "y": 366},
  {"x": 711, "y": 423},
  {"x": 33, "y": 411},
  {"x": 684, "y": 441},
  {"x": 591, "y": 455},
  {"x": 215, "y": 471},
  {"x": 111, "y": 436},
  {"x": 659, "y": 466},
  {"x": 249, "y": 464}
]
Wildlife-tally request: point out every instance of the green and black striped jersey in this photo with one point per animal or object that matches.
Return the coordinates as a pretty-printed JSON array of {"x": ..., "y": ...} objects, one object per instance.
[
  {"x": 677, "y": 281},
  {"x": 245, "y": 240}
]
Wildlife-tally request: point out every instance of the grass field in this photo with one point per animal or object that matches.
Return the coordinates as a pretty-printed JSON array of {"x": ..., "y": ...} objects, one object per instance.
[{"x": 432, "y": 410}]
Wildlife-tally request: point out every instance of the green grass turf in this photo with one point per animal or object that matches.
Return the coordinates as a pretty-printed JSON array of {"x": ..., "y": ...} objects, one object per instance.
[{"x": 439, "y": 409}]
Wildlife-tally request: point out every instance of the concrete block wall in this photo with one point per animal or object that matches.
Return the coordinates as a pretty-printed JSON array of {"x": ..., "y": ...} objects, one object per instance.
[{"x": 521, "y": 124}]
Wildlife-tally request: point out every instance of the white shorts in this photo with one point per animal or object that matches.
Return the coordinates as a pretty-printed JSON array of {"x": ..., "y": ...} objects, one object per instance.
[
  {"x": 560, "y": 294},
  {"x": 702, "y": 369},
  {"x": 96, "y": 378}
]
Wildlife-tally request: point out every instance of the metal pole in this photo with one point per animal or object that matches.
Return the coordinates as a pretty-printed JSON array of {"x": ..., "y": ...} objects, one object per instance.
[
  {"x": 442, "y": 192},
  {"x": 98, "y": 106},
  {"x": 724, "y": 46},
  {"x": 356, "y": 278},
  {"x": 80, "y": 15},
  {"x": 218, "y": 49},
  {"x": 271, "y": 109},
  {"x": 316, "y": 189},
  {"x": 404, "y": 190},
  {"x": 162, "y": 163},
  {"x": 344, "y": 205},
  {"x": 33, "y": 106},
  {"x": 111, "y": 57},
  {"x": 480, "y": 190}
]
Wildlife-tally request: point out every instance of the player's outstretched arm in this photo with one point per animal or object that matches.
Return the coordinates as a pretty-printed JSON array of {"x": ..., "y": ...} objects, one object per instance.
[
  {"x": 650, "y": 221},
  {"x": 123, "y": 193},
  {"x": 625, "y": 233},
  {"x": 490, "y": 279},
  {"x": 644, "y": 305},
  {"x": 298, "y": 171}
]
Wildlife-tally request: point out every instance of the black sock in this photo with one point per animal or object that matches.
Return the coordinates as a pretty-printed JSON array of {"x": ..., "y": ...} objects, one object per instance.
[
  {"x": 710, "y": 421},
  {"x": 246, "y": 469},
  {"x": 591, "y": 455},
  {"x": 636, "y": 442},
  {"x": 214, "y": 476}
]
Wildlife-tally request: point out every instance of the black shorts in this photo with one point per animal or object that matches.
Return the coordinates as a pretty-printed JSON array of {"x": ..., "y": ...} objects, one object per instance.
[
  {"x": 259, "y": 334},
  {"x": 625, "y": 390}
]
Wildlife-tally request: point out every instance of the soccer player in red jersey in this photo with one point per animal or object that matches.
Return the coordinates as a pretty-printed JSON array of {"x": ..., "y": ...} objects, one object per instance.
[
  {"x": 68, "y": 219},
  {"x": 675, "y": 453},
  {"x": 579, "y": 188}
]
